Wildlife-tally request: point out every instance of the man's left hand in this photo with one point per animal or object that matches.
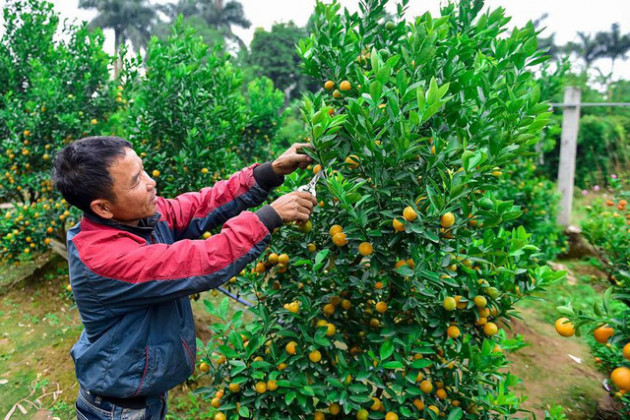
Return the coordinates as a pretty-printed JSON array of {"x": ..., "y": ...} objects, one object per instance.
[{"x": 290, "y": 160}]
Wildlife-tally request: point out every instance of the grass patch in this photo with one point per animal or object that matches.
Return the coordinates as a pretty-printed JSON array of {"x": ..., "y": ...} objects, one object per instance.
[{"x": 39, "y": 325}]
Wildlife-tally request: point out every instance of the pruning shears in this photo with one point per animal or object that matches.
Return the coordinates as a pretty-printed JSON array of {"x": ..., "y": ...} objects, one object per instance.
[{"x": 310, "y": 187}]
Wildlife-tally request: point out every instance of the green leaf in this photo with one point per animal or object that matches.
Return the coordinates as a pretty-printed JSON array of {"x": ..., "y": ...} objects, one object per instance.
[
  {"x": 376, "y": 90},
  {"x": 383, "y": 75},
  {"x": 308, "y": 390},
  {"x": 431, "y": 110},
  {"x": 432, "y": 93},
  {"x": 405, "y": 270},
  {"x": 318, "y": 117},
  {"x": 227, "y": 351},
  {"x": 387, "y": 349},
  {"x": 289, "y": 397},
  {"x": 436, "y": 201},
  {"x": 530, "y": 46},
  {"x": 421, "y": 363},
  {"x": 414, "y": 118},
  {"x": 421, "y": 100},
  {"x": 511, "y": 215},
  {"x": 319, "y": 258},
  {"x": 393, "y": 365},
  {"x": 607, "y": 296},
  {"x": 432, "y": 236},
  {"x": 566, "y": 310},
  {"x": 455, "y": 414}
]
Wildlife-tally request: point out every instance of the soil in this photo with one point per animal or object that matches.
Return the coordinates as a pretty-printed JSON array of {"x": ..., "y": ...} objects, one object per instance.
[{"x": 550, "y": 376}]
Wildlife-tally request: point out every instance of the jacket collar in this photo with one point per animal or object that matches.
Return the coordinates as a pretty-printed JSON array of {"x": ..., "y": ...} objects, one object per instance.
[{"x": 145, "y": 226}]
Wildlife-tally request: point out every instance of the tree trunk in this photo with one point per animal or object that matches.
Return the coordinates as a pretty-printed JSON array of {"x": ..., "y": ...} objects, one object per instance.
[
  {"x": 118, "y": 40},
  {"x": 240, "y": 42}
]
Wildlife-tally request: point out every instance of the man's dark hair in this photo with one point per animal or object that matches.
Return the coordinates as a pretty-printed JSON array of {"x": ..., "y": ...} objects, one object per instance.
[{"x": 81, "y": 169}]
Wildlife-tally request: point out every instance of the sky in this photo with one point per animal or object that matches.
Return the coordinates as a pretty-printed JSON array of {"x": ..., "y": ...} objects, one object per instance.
[{"x": 565, "y": 17}]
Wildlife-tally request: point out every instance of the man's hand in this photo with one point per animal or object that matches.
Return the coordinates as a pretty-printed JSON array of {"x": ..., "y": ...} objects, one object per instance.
[
  {"x": 294, "y": 207},
  {"x": 291, "y": 159}
]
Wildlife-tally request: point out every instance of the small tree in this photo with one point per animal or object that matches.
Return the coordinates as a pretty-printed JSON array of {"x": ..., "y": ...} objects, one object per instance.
[
  {"x": 188, "y": 116},
  {"x": 53, "y": 91},
  {"x": 389, "y": 302}
]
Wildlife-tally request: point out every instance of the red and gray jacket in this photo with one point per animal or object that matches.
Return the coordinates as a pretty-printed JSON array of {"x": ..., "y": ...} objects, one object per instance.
[{"x": 131, "y": 284}]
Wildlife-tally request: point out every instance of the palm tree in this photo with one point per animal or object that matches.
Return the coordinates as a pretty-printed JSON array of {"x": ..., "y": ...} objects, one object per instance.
[
  {"x": 588, "y": 49},
  {"x": 131, "y": 20},
  {"x": 617, "y": 45},
  {"x": 217, "y": 13},
  {"x": 186, "y": 8}
]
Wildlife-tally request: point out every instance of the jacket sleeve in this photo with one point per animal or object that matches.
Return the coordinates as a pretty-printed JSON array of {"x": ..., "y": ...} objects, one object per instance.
[
  {"x": 132, "y": 273},
  {"x": 189, "y": 215}
]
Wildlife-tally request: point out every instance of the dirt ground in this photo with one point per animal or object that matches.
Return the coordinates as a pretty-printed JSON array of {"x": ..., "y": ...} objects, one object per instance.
[{"x": 550, "y": 376}]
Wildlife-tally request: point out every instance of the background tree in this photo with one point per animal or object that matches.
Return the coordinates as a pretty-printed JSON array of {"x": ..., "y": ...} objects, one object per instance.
[
  {"x": 616, "y": 45},
  {"x": 211, "y": 36},
  {"x": 274, "y": 53},
  {"x": 588, "y": 48},
  {"x": 216, "y": 13},
  {"x": 131, "y": 20}
]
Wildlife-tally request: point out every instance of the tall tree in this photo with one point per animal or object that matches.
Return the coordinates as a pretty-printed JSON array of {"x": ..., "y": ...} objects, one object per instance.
[
  {"x": 217, "y": 13},
  {"x": 131, "y": 20},
  {"x": 275, "y": 54},
  {"x": 588, "y": 48},
  {"x": 616, "y": 45},
  {"x": 211, "y": 36}
]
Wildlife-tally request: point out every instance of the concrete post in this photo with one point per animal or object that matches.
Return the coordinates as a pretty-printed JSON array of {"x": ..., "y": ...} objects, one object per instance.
[{"x": 568, "y": 149}]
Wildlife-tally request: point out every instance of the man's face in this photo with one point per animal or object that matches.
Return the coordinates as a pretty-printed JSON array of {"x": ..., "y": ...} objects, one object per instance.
[{"x": 133, "y": 188}]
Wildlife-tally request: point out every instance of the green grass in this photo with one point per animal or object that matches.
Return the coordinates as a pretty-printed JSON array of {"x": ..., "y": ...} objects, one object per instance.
[{"x": 39, "y": 326}]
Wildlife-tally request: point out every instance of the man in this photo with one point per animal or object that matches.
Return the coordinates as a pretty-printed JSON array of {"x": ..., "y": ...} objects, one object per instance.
[{"x": 135, "y": 257}]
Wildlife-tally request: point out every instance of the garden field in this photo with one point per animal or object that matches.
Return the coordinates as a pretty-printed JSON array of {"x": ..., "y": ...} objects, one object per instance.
[{"x": 433, "y": 276}]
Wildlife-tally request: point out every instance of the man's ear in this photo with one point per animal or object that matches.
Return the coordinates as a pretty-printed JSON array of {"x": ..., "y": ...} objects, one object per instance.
[{"x": 102, "y": 207}]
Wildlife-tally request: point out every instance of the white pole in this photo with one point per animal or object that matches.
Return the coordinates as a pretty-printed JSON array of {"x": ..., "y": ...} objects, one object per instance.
[{"x": 568, "y": 149}]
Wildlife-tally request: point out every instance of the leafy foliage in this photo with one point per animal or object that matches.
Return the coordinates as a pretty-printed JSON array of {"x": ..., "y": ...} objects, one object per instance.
[
  {"x": 538, "y": 199},
  {"x": 183, "y": 108},
  {"x": 603, "y": 149},
  {"x": 607, "y": 227},
  {"x": 53, "y": 91},
  {"x": 352, "y": 309},
  {"x": 273, "y": 53},
  {"x": 188, "y": 115}
]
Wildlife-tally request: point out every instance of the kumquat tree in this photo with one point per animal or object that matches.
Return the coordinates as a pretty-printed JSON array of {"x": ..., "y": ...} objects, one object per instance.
[
  {"x": 53, "y": 91},
  {"x": 391, "y": 301}
]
